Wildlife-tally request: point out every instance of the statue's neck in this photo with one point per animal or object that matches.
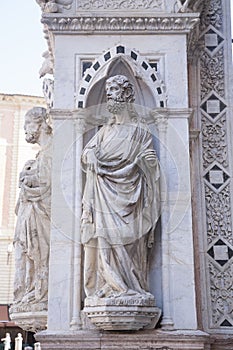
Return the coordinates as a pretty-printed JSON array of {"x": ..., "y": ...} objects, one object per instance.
[
  {"x": 122, "y": 118},
  {"x": 44, "y": 139}
]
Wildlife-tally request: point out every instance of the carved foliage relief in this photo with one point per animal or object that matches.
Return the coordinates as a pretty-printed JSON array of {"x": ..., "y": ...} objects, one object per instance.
[
  {"x": 214, "y": 142},
  {"x": 221, "y": 295},
  {"x": 214, "y": 125},
  {"x": 218, "y": 215},
  {"x": 212, "y": 14},
  {"x": 119, "y": 4},
  {"x": 212, "y": 73}
]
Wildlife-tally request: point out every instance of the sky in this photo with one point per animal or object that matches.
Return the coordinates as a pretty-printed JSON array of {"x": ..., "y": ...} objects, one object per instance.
[{"x": 21, "y": 46}]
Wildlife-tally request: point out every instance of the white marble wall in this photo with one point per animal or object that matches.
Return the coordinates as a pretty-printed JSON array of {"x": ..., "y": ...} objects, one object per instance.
[{"x": 178, "y": 295}]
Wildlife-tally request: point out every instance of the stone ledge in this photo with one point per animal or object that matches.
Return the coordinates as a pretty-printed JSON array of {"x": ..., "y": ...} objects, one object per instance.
[
  {"x": 221, "y": 342},
  {"x": 30, "y": 321},
  {"x": 143, "y": 340}
]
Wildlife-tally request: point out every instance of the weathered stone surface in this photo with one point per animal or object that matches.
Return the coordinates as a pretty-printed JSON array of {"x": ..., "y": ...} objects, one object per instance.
[
  {"x": 32, "y": 233},
  {"x": 146, "y": 340}
]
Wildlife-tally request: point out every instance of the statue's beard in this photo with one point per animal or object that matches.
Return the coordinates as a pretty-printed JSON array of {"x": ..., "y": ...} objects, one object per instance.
[
  {"x": 32, "y": 137},
  {"x": 115, "y": 107}
]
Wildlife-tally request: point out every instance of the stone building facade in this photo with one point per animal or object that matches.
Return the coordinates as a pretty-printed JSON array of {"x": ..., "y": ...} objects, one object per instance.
[{"x": 178, "y": 56}]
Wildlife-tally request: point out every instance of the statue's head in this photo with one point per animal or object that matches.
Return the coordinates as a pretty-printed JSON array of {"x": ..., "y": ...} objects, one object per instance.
[
  {"x": 119, "y": 92},
  {"x": 118, "y": 88},
  {"x": 35, "y": 123}
]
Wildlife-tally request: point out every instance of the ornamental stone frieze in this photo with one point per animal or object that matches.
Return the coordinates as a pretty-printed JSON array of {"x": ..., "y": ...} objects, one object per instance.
[
  {"x": 169, "y": 6},
  {"x": 101, "y": 24},
  {"x": 156, "y": 5}
]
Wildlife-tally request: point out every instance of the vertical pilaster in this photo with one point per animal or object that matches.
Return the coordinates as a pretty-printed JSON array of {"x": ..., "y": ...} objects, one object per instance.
[
  {"x": 62, "y": 222},
  {"x": 176, "y": 220},
  {"x": 79, "y": 121},
  {"x": 212, "y": 95},
  {"x": 161, "y": 122}
]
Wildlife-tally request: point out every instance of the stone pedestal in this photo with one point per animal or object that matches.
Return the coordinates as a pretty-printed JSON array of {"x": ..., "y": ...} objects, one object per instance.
[
  {"x": 126, "y": 313},
  {"x": 32, "y": 321}
]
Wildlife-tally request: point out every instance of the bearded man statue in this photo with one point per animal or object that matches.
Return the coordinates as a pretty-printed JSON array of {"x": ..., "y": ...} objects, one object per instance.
[
  {"x": 32, "y": 233},
  {"x": 121, "y": 200}
]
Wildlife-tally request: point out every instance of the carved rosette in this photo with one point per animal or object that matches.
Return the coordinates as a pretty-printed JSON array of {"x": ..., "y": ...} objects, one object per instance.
[{"x": 215, "y": 162}]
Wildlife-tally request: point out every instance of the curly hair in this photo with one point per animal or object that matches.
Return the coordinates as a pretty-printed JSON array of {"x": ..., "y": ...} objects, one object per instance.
[
  {"x": 124, "y": 83},
  {"x": 39, "y": 115}
]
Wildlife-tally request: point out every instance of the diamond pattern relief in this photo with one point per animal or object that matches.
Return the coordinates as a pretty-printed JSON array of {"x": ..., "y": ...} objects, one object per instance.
[
  {"x": 213, "y": 106},
  {"x": 225, "y": 323},
  {"x": 216, "y": 177},
  {"x": 213, "y": 40},
  {"x": 220, "y": 252}
]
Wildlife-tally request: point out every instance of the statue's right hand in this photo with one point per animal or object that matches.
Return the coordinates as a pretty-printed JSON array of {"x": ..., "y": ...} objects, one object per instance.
[{"x": 91, "y": 160}]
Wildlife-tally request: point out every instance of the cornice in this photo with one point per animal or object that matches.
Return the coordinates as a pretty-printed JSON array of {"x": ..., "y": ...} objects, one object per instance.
[
  {"x": 17, "y": 98},
  {"x": 153, "y": 115},
  {"x": 161, "y": 23}
]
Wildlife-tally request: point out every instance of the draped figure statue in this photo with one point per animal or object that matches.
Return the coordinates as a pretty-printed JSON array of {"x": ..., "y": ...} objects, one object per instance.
[
  {"x": 32, "y": 233},
  {"x": 121, "y": 200}
]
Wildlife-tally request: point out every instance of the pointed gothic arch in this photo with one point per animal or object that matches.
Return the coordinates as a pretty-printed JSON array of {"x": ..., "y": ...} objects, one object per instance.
[{"x": 149, "y": 89}]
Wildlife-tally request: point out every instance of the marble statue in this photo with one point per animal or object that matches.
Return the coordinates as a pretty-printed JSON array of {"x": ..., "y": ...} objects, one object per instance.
[
  {"x": 7, "y": 341},
  {"x": 189, "y": 5},
  {"x": 121, "y": 200},
  {"x": 19, "y": 342},
  {"x": 32, "y": 231},
  {"x": 47, "y": 65},
  {"x": 54, "y": 5}
]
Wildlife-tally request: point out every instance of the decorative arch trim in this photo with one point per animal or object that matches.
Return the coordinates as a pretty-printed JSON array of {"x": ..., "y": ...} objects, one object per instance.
[{"x": 150, "y": 76}]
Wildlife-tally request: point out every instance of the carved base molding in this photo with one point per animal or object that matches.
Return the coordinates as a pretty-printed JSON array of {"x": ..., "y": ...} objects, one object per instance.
[
  {"x": 32, "y": 321},
  {"x": 122, "y": 313},
  {"x": 144, "y": 340}
]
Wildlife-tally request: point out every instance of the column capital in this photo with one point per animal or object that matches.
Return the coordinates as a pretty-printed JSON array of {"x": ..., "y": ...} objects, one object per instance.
[
  {"x": 80, "y": 125},
  {"x": 160, "y": 119}
]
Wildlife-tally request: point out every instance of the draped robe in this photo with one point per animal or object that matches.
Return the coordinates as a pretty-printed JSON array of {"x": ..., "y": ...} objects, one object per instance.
[
  {"x": 32, "y": 233},
  {"x": 121, "y": 207}
]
